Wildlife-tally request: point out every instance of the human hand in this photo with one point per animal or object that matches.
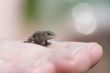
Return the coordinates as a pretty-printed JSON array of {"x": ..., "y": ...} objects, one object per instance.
[{"x": 60, "y": 57}]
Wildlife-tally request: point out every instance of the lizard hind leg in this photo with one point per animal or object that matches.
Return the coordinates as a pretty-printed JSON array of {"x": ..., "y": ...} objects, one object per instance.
[{"x": 30, "y": 39}]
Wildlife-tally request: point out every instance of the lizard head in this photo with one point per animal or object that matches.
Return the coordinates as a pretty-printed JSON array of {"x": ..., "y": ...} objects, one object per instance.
[{"x": 49, "y": 35}]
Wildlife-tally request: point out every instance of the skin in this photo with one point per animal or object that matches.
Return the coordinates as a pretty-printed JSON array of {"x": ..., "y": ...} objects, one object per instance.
[
  {"x": 66, "y": 57},
  {"x": 41, "y": 38}
]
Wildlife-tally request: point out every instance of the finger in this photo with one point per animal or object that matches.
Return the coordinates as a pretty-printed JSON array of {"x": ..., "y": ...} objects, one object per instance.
[
  {"x": 43, "y": 67},
  {"x": 81, "y": 60}
]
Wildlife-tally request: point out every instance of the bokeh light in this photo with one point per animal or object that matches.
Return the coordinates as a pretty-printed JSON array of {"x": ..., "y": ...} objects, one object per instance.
[{"x": 84, "y": 18}]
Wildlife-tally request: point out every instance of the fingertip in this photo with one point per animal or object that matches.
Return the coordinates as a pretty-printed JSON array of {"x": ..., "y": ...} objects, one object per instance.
[{"x": 96, "y": 52}]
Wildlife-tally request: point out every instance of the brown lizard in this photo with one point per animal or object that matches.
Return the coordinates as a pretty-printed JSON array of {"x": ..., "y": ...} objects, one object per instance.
[{"x": 41, "y": 38}]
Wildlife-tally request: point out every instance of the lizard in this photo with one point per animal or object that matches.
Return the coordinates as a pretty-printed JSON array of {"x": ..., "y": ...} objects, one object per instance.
[{"x": 41, "y": 38}]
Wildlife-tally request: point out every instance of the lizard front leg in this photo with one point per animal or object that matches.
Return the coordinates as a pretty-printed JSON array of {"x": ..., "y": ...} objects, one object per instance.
[{"x": 47, "y": 43}]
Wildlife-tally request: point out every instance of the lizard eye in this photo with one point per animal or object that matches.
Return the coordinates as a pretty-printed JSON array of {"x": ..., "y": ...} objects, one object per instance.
[{"x": 49, "y": 33}]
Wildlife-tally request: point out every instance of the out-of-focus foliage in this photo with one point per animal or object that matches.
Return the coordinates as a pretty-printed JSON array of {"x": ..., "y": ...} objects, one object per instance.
[
  {"x": 48, "y": 10},
  {"x": 32, "y": 9},
  {"x": 52, "y": 11}
]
